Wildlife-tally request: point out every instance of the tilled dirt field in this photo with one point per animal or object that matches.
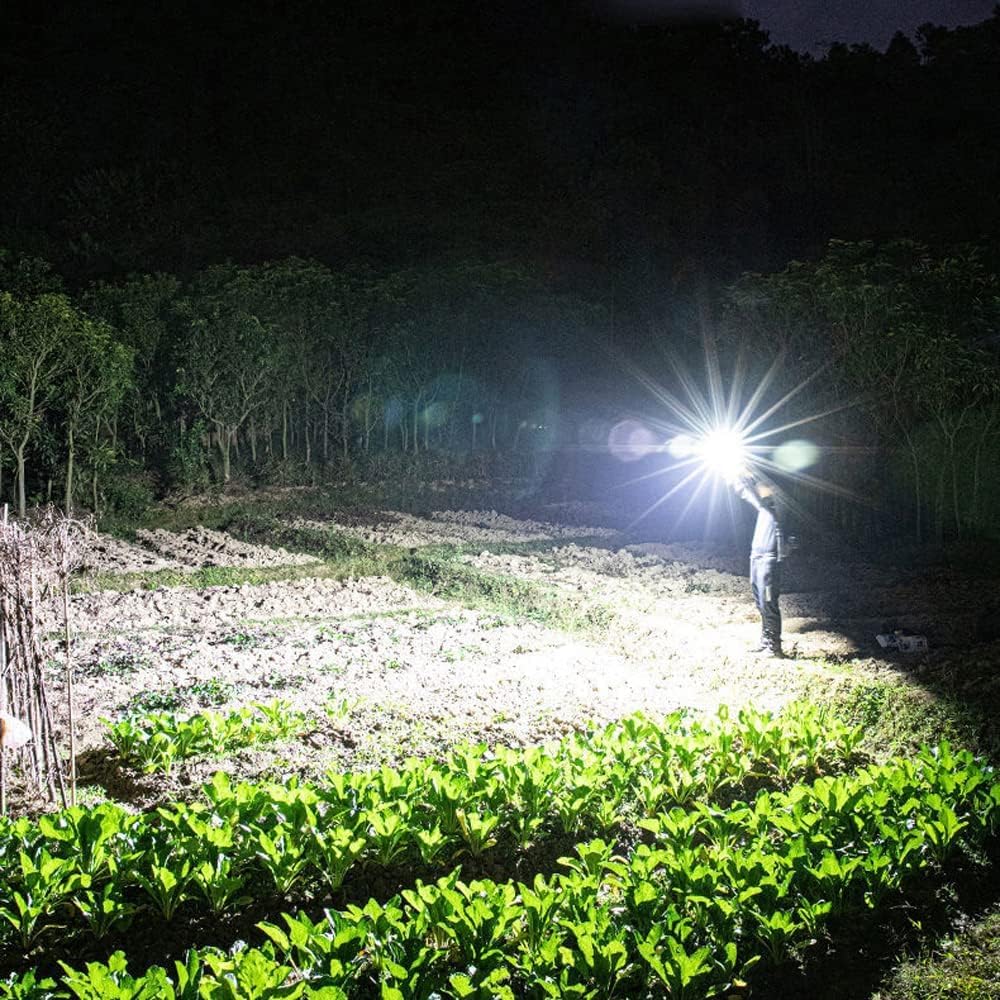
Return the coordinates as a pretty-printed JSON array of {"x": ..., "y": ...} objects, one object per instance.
[
  {"x": 185, "y": 551},
  {"x": 451, "y": 527},
  {"x": 385, "y": 671}
]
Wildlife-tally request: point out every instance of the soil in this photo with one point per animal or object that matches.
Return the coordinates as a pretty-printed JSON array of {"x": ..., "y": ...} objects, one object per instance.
[
  {"x": 185, "y": 551},
  {"x": 385, "y": 672},
  {"x": 452, "y": 527}
]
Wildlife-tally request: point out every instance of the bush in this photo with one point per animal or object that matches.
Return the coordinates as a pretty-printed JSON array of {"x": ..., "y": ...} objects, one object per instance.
[
  {"x": 127, "y": 493},
  {"x": 187, "y": 465}
]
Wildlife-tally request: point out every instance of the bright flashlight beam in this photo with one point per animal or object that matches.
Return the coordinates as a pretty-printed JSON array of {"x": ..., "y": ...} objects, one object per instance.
[
  {"x": 723, "y": 451},
  {"x": 666, "y": 496},
  {"x": 719, "y": 426}
]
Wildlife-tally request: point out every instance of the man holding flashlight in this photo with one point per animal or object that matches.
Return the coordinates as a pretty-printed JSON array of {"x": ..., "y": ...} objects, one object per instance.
[{"x": 766, "y": 554}]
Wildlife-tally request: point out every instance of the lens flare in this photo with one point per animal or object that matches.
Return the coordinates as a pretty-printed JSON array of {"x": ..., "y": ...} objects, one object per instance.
[
  {"x": 682, "y": 446},
  {"x": 794, "y": 456},
  {"x": 630, "y": 440},
  {"x": 716, "y": 428}
]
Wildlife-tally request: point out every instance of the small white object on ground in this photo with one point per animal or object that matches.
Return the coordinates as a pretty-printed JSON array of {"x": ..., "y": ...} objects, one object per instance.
[
  {"x": 902, "y": 642},
  {"x": 13, "y": 732}
]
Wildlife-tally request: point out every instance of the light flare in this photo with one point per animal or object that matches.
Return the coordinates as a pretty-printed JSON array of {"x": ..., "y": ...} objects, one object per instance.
[
  {"x": 717, "y": 436},
  {"x": 724, "y": 452}
]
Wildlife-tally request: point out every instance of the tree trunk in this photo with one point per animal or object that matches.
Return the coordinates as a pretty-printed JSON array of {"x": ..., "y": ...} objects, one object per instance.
[
  {"x": 916, "y": 492},
  {"x": 225, "y": 441},
  {"x": 284, "y": 432},
  {"x": 984, "y": 436},
  {"x": 22, "y": 499},
  {"x": 70, "y": 454}
]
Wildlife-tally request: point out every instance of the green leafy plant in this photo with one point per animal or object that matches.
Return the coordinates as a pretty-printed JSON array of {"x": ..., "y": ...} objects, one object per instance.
[
  {"x": 156, "y": 741},
  {"x": 166, "y": 884}
]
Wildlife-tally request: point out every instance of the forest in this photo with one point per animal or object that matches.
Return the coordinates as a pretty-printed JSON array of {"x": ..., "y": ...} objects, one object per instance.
[
  {"x": 463, "y": 264},
  {"x": 291, "y": 373}
]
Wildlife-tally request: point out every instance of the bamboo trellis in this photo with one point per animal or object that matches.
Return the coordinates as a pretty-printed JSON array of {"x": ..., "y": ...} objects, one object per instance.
[{"x": 37, "y": 556}]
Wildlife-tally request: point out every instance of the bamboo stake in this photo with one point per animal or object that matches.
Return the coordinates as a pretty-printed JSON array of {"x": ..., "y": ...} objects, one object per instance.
[{"x": 64, "y": 573}]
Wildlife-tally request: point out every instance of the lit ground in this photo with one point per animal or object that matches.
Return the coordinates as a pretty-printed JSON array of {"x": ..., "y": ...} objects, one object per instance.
[{"x": 386, "y": 671}]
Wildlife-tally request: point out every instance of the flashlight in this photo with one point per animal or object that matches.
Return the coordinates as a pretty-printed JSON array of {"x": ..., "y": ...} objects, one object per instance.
[
  {"x": 720, "y": 451},
  {"x": 723, "y": 451}
]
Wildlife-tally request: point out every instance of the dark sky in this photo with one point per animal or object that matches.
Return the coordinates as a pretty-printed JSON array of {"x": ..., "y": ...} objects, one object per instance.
[{"x": 812, "y": 25}]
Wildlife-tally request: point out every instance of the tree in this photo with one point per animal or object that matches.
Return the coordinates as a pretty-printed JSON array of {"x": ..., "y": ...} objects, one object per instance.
[
  {"x": 98, "y": 375},
  {"x": 143, "y": 312},
  {"x": 229, "y": 353},
  {"x": 906, "y": 334},
  {"x": 318, "y": 318},
  {"x": 26, "y": 276},
  {"x": 34, "y": 337}
]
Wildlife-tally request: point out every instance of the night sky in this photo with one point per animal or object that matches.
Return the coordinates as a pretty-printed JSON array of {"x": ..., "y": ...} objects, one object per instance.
[{"x": 813, "y": 25}]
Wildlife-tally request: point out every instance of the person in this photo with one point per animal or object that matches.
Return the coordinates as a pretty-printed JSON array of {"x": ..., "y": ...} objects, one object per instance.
[{"x": 766, "y": 554}]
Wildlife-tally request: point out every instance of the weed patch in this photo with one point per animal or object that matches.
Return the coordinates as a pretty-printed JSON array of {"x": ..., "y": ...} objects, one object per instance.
[
  {"x": 506, "y": 596},
  {"x": 963, "y": 968},
  {"x": 898, "y": 718}
]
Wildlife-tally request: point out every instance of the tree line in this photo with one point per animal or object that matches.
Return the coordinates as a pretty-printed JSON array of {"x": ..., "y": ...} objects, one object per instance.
[
  {"x": 887, "y": 355},
  {"x": 279, "y": 370},
  {"x": 897, "y": 349},
  {"x": 607, "y": 155}
]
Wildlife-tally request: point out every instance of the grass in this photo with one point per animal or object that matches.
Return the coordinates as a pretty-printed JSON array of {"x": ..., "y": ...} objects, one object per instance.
[
  {"x": 966, "y": 967},
  {"x": 899, "y": 716}
]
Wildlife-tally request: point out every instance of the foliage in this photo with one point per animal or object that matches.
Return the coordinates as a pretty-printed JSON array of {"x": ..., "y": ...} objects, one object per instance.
[
  {"x": 965, "y": 968},
  {"x": 904, "y": 335},
  {"x": 35, "y": 336},
  {"x": 712, "y": 893},
  {"x": 156, "y": 741},
  {"x": 719, "y": 805}
]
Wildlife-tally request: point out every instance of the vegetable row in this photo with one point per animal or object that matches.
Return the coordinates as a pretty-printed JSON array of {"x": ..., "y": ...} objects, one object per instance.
[
  {"x": 709, "y": 894},
  {"x": 93, "y": 868},
  {"x": 155, "y": 741}
]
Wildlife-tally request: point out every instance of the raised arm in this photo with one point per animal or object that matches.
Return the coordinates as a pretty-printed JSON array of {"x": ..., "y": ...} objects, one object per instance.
[{"x": 745, "y": 488}]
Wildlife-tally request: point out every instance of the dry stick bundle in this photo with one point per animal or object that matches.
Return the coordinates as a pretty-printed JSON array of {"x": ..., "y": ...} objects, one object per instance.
[
  {"x": 3, "y": 704},
  {"x": 36, "y": 559}
]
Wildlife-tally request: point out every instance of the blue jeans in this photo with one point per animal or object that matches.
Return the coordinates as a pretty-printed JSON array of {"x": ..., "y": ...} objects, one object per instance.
[{"x": 765, "y": 581}]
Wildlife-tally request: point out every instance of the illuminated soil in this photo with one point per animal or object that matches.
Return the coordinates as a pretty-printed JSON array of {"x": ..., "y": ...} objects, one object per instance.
[
  {"x": 194, "y": 549},
  {"x": 386, "y": 672},
  {"x": 450, "y": 527}
]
